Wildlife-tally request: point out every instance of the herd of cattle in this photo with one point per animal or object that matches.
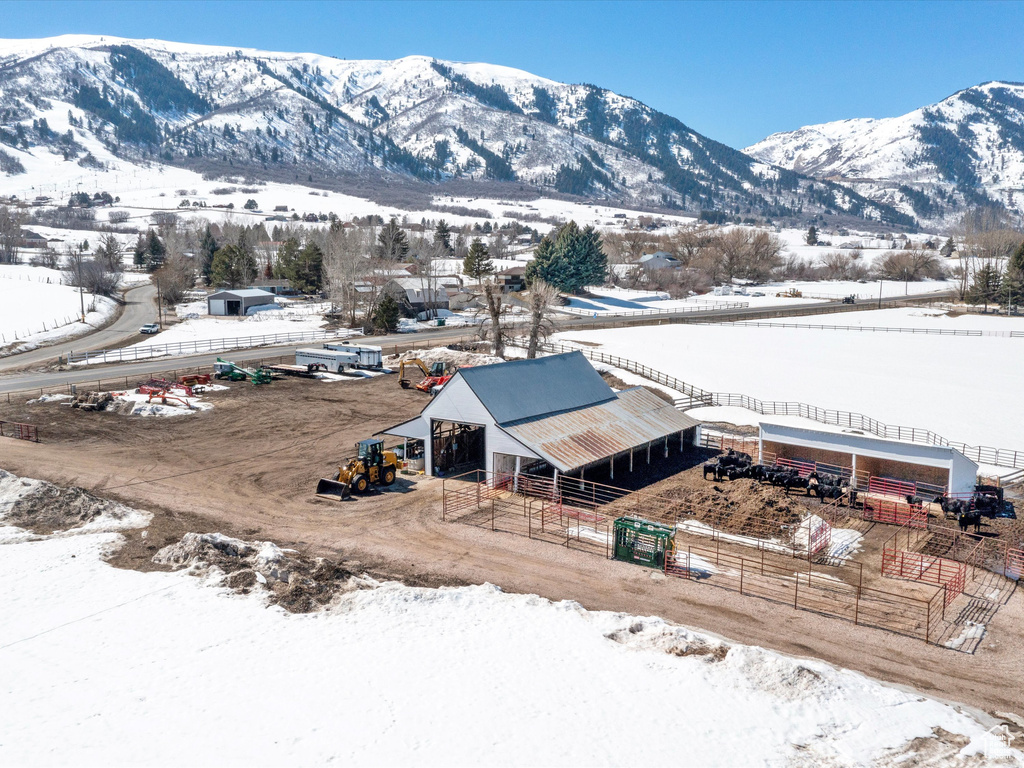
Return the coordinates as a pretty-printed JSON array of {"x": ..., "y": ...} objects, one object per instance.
[
  {"x": 986, "y": 501},
  {"x": 736, "y": 464}
]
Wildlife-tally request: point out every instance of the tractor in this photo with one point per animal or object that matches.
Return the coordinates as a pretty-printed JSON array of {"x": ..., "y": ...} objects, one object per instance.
[{"x": 372, "y": 466}]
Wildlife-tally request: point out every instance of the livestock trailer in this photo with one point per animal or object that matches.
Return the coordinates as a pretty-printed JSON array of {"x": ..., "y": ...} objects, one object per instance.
[
  {"x": 332, "y": 360},
  {"x": 368, "y": 357}
]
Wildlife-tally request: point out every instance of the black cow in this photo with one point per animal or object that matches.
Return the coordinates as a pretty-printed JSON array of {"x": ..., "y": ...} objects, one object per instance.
[
  {"x": 967, "y": 519},
  {"x": 710, "y": 468}
]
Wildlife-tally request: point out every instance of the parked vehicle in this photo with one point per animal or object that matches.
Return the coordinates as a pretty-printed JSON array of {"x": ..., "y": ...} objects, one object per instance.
[{"x": 150, "y": 328}]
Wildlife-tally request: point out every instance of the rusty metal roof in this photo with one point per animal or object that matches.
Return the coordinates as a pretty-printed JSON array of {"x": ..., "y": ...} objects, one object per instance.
[{"x": 568, "y": 441}]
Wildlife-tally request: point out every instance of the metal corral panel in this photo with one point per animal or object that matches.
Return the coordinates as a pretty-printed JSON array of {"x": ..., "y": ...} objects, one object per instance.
[{"x": 578, "y": 438}]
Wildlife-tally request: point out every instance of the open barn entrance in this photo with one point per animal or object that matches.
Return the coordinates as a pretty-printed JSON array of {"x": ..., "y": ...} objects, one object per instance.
[{"x": 456, "y": 448}]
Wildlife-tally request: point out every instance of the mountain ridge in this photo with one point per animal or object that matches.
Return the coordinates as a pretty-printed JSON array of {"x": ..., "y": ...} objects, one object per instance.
[
  {"x": 416, "y": 119},
  {"x": 935, "y": 161}
]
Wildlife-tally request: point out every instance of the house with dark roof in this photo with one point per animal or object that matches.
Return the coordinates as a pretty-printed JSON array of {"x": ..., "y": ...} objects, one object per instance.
[
  {"x": 533, "y": 415},
  {"x": 658, "y": 260}
]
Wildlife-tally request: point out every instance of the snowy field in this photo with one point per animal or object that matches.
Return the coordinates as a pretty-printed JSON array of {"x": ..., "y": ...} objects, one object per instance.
[
  {"x": 902, "y": 379},
  {"x": 208, "y": 328},
  {"x": 35, "y": 307},
  {"x": 913, "y": 317},
  {"x": 116, "y": 667},
  {"x": 623, "y": 301}
]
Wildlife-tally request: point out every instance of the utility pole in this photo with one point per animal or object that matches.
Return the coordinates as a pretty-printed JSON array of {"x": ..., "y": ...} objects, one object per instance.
[
  {"x": 880, "y": 293},
  {"x": 81, "y": 290},
  {"x": 159, "y": 305}
]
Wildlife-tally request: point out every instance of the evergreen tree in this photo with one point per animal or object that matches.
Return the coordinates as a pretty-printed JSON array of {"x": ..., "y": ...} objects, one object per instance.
[
  {"x": 812, "y": 236},
  {"x": 233, "y": 267},
  {"x": 287, "y": 255},
  {"x": 570, "y": 262},
  {"x": 391, "y": 242},
  {"x": 460, "y": 249},
  {"x": 308, "y": 272},
  {"x": 985, "y": 287},
  {"x": 948, "y": 247},
  {"x": 155, "y": 252},
  {"x": 207, "y": 247},
  {"x": 477, "y": 262},
  {"x": 385, "y": 314},
  {"x": 443, "y": 235},
  {"x": 1012, "y": 288},
  {"x": 139, "y": 259}
]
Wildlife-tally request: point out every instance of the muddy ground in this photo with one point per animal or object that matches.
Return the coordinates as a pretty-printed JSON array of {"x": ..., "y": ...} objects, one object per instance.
[{"x": 248, "y": 467}]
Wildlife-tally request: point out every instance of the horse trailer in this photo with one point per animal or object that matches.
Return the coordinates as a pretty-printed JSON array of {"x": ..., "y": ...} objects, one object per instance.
[
  {"x": 368, "y": 357},
  {"x": 332, "y": 360}
]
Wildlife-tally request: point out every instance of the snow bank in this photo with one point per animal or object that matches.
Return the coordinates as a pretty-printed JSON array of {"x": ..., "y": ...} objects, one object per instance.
[{"x": 400, "y": 675}]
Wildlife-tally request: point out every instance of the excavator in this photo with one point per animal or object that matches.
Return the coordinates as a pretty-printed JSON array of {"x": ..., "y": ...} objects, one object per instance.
[
  {"x": 372, "y": 466},
  {"x": 436, "y": 375}
]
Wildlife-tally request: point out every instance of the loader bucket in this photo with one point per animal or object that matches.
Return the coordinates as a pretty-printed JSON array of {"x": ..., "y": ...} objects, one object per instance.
[{"x": 331, "y": 489}]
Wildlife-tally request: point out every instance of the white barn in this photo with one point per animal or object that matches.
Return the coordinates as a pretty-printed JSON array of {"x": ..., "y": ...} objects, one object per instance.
[
  {"x": 555, "y": 411},
  {"x": 869, "y": 457}
]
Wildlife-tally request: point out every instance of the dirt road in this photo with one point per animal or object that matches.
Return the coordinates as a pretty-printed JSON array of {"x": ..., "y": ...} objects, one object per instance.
[{"x": 248, "y": 468}]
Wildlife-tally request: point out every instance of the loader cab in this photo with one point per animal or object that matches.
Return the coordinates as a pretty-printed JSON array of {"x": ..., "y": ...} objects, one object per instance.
[{"x": 371, "y": 451}]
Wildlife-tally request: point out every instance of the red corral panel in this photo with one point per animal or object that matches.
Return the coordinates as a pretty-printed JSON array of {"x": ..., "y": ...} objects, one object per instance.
[
  {"x": 891, "y": 487},
  {"x": 900, "y": 564}
]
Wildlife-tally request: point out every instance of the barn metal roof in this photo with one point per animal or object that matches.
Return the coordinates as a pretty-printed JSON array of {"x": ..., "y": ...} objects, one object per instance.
[
  {"x": 526, "y": 389},
  {"x": 243, "y": 293},
  {"x": 587, "y": 435}
]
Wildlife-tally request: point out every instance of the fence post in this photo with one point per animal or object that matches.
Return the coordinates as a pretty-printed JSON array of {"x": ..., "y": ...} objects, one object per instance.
[
  {"x": 742, "y": 561},
  {"x": 492, "y": 514},
  {"x": 928, "y": 622},
  {"x": 796, "y": 591}
]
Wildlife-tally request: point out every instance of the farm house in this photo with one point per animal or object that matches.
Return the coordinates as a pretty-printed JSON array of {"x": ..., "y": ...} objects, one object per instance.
[
  {"x": 237, "y": 302},
  {"x": 553, "y": 412},
  {"x": 872, "y": 462}
]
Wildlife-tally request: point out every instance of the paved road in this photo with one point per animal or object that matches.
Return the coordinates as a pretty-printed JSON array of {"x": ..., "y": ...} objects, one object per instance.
[
  {"x": 28, "y": 379},
  {"x": 139, "y": 309}
]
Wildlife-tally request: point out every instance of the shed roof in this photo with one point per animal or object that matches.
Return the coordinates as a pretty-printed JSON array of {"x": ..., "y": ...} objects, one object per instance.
[
  {"x": 863, "y": 443},
  {"x": 243, "y": 293},
  {"x": 526, "y": 389},
  {"x": 581, "y": 437}
]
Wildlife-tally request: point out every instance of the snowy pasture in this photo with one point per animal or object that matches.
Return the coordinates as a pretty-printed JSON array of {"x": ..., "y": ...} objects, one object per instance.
[
  {"x": 162, "y": 668},
  {"x": 35, "y": 307},
  {"x": 963, "y": 388}
]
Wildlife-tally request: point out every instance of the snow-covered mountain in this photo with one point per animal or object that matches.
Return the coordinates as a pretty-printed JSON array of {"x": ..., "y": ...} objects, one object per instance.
[
  {"x": 966, "y": 150},
  {"x": 334, "y": 122}
]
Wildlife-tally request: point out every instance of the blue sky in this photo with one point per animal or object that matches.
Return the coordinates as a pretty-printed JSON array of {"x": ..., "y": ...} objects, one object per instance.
[{"x": 735, "y": 71}]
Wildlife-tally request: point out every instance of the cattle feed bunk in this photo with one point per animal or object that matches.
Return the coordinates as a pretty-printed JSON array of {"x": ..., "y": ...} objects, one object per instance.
[{"x": 767, "y": 558}]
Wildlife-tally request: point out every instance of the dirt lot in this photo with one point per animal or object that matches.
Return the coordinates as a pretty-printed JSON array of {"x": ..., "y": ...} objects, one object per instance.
[{"x": 247, "y": 468}]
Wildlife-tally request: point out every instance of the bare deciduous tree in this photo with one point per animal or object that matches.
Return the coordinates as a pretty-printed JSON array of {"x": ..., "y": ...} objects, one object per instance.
[
  {"x": 541, "y": 296},
  {"x": 494, "y": 330}
]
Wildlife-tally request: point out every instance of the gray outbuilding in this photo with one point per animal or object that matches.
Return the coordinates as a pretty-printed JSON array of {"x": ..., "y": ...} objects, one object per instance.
[{"x": 237, "y": 301}]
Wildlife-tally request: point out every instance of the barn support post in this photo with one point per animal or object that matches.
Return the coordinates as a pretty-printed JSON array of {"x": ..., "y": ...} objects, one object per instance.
[
  {"x": 611, "y": 464},
  {"x": 666, "y": 446},
  {"x": 515, "y": 477},
  {"x": 853, "y": 471},
  {"x": 648, "y": 452},
  {"x": 630, "y": 461}
]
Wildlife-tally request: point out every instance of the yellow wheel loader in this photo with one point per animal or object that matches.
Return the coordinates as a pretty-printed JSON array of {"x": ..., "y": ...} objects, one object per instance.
[{"x": 371, "y": 466}]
